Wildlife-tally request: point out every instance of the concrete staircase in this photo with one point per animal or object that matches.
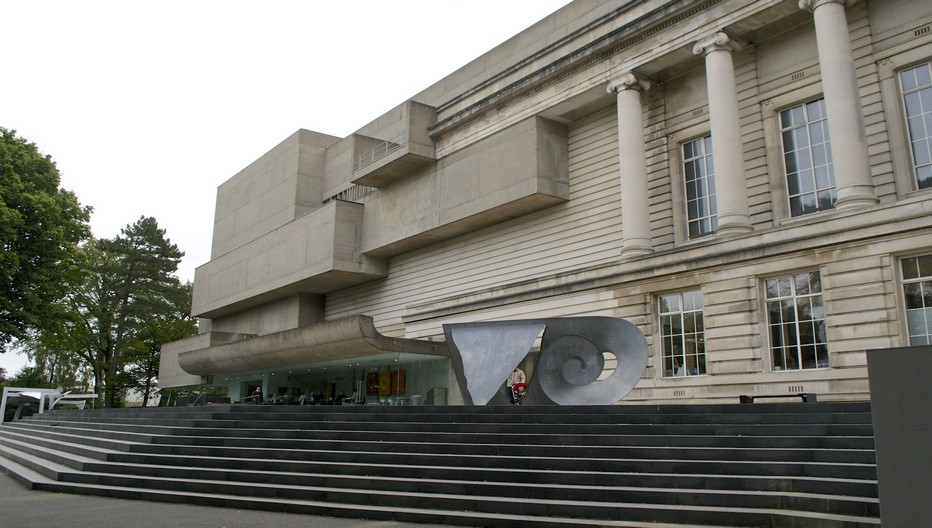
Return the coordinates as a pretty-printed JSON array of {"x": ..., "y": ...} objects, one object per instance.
[{"x": 759, "y": 464}]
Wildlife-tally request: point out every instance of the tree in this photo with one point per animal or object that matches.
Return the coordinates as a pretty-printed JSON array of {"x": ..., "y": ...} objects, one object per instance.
[
  {"x": 145, "y": 284},
  {"x": 41, "y": 226},
  {"x": 142, "y": 355},
  {"x": 126, "y": 304}
]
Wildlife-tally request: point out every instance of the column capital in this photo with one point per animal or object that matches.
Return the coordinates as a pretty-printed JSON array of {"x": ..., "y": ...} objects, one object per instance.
[
  {"x": 717, "y": 41},
  {"x": 812, "y": 5},
  {"x": 628, "y": 81}
]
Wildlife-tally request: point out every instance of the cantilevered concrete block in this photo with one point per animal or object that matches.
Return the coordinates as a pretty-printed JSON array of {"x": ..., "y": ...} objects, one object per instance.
[
  {"x": 316, "y": 253},
  {"x": 509, "y": 174}
]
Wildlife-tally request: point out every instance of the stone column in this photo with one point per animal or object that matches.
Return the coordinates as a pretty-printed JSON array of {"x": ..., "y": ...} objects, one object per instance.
[
  {"x": 853, "y": 183},
  {"x": 632, "y": 164},
  {"x": 731, "y": 186}
]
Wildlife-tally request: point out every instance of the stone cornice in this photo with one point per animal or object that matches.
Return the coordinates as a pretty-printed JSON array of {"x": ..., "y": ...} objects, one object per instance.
[{"x": 567, "y": 65}]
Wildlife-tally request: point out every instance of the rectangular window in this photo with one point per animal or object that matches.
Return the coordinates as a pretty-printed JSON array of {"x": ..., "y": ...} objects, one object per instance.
[
  {"x": 807, "y": 157},
  {"x": 699, "y": 173},
  {"x": 916, "y": 84},
  {"x": 917, "y": 291},
  {"x": 796, "y": 319},
  {"x": 682, "y": 334}
]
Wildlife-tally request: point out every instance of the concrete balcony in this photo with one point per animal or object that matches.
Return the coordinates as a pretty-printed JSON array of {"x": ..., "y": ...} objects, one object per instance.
[
  {"x": 512, "y": 173},
  {"x": 394, "y": 146},
  {"x": 316, "y": 253}
]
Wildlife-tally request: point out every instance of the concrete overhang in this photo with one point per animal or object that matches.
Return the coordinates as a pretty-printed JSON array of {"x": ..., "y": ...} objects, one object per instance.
[
  {"x": 404, "y": 146},
  {"x": 316, "y": 253},
  {"x": 516, "y": 171},
  {"x": 349, "y": 337}
]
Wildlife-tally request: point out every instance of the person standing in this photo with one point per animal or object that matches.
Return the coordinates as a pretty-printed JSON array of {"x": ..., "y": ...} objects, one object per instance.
[{"x": 517, "y": 386}]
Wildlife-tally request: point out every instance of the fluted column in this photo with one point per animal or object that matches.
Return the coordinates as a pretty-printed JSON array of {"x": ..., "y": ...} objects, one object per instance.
[
  {"x": 853, "y": 184},
  {"x": 727, "y": 147},
  {"x": 632, "y": 164}
]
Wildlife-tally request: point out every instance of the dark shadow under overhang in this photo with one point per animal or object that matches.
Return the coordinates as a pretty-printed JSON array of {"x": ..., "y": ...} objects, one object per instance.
[{"x": 350, "y": 337}]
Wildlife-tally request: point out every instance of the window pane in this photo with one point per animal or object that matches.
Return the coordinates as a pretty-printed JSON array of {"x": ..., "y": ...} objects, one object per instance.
[
  {"x": 908, "y": 79},
  {"x": 823, "y": 178},
  {"x": 802, "y": 283},
  {"x": 923, "y": 75},
  {"x": 913, "y": 104},
  {"x": 689, "y": 172},
  {"x": 806, "y": 182},
  {"x": 917, "y": 321},
  {"x": 692, "y": 209},
  {"x": 818, "y": 311},
  {"x": 793, "y": 116},
  {"x": 815, "y": 282},
  {"x": 789, "y": 141},
  {"x": 921, "y": 153},
  {"x": 778, "y": 287},
  {"x": 925, "y": 99},
  {"x": 808, "y": 203},
  {"x": 924, "y": 177},
  {"x": 669, "y": 303},
  {"x": 826, "y": 199},
  {"x": 816, "y": 110},
  {"x": 925, "y": 265},
  {"x": 913, "y": 295},
  {"x": 688, "y": 152}
]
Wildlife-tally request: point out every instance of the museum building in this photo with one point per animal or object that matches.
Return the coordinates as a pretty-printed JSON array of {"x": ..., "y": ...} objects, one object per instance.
[{"x": 749, "y": 182}]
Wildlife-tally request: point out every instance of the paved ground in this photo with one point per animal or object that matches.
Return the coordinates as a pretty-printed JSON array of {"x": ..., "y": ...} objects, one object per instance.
[{"x": 25, "y": 508}]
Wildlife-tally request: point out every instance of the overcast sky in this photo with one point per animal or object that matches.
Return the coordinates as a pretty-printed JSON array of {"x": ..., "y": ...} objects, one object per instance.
[{"x": 146, "y": 107}]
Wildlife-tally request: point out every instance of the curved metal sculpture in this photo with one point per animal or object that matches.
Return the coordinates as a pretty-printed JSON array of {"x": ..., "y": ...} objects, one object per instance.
[{"x": 572, "y": 358}]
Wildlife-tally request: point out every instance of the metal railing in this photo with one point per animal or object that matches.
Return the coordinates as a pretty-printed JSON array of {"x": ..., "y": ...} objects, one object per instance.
[
  {"x": 351, "y": 194},
  {"x": 380, "y": 151}
]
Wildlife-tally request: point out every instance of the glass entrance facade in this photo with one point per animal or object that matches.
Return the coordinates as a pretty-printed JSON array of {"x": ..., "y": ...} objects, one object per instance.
[{"x": 384, "y": 379}]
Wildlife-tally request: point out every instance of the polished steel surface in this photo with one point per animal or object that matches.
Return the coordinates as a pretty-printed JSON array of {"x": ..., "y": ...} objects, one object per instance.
[{"x": 570, "y": 370}]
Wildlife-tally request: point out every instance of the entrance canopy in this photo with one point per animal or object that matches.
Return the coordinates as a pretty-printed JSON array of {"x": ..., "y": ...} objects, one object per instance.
[{"x": 350, "y": 337}]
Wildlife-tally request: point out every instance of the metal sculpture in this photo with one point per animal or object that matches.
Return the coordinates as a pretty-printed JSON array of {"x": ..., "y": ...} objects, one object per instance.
[{"x": 572, "y": 358}]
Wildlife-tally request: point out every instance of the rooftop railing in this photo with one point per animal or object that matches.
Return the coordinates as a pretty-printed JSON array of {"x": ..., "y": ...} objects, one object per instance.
[{"x": 380, "y": 151}]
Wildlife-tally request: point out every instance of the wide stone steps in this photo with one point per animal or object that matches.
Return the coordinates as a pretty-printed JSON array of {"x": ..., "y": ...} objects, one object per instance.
[
  {"x": 521, "y": 446},
  {"x": 452, "y": 467}
]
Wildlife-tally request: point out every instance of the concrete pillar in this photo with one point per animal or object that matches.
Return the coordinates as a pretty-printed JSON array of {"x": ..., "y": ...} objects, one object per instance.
[
  {"x": 853, "y": 184},
  {"x": 728, "y": 150},
  {"x": 632, "y": 163}
]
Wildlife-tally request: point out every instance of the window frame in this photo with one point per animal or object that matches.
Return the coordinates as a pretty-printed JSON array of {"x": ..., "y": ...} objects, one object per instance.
[
  {"x": 809, "y": 148},
  {"x": 709, "y": 195},
  {"x": 772, "y": 103},
  {"x": 890, "y": 63},
  {"x": 695, "y": 128},
  {"x": 769, "y": 326},
  {"x": 699, "y": 354},
  {"x": 914, "y": 169},
  {"x": 903, "y": 281}
]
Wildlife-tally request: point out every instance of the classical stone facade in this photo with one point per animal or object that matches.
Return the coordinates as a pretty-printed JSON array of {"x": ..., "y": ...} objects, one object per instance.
[{"x": 747, "y": 181}]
